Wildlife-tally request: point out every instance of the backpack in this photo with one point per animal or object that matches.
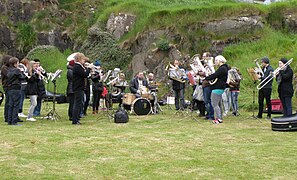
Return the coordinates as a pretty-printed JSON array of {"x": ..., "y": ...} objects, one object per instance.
[{"x": 121, "y": 116}]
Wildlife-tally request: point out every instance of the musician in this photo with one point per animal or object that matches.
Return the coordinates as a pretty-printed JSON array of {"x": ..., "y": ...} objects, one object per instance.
[
  {"x": 14, "y": 78},
  {"x": 207, "y": 90},
  {"x": 285, "y": 86},
  {"x": 138, "y": 85},
  {"x": 179, "y": 89},
  {"x": 78, "y": 86},
  {"x": 41, "y": 88},
  {"x": 70, "y": 93},
  {"x": 4, "y": 70},
  {"x": 265, "y": 92},
  {"x": 87, "y": 90},
  {"x": 234, "y": 86},
  {"x": 151, "y": 82},
  {"x": 24, "y": 64},
  {"x": 220, "y": 76},
  {"x": 31, "y": 89},
  {"x": 97, "y": 87}
]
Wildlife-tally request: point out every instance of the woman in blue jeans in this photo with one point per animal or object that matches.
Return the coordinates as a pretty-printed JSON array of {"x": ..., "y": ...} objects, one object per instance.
[{"x": 234, "y": 84}]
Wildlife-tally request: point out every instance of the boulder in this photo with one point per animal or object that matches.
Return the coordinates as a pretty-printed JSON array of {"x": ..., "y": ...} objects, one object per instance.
[{"x": 120, "y": 24}]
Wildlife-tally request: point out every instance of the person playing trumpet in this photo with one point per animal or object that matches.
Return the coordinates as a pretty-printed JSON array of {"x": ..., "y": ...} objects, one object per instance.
[
  {"x": 265, "y": 91},
  {"x": 42, "y": 75},
  {"x": 285, "y": 87}
]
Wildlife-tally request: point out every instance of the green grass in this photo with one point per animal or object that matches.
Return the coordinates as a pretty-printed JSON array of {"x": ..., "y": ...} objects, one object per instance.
[{"x": 163, "y": 146}]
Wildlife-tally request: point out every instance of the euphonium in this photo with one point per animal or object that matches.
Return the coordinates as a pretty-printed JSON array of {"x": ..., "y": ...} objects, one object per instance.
[
  {"x": 210, "y": 69},
  {"x": 233, "y": 76},
  {"x": 258, "y": 69},
  {"x": 177, "y": 73}
]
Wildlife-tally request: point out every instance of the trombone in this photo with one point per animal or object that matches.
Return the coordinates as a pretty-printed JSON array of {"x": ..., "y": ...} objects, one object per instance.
[{"x": 273, "y": 74}]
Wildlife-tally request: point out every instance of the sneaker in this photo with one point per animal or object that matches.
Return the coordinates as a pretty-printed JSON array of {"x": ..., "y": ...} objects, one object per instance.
[
  {"x": 220, "y": 120},
  {"x": 22, "y": 115},
  {"x": 31, "y": 119},
  {"x": 216, "y": 121}
]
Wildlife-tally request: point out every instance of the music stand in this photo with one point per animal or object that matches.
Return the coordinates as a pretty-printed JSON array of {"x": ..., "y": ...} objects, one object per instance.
[
  {"x": 255, "y": 78},
  {"x": 52, "y": 114}
]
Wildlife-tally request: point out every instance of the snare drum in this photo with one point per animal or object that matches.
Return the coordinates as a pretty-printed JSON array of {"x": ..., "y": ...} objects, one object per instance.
[
  {"x": 141, "y": 106},
  {"x": 128, "y": 98}
]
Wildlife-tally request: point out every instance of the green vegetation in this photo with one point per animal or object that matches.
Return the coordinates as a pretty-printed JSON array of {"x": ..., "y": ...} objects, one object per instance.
[
  {"x": 27, "y": 37},
  {"x": 163, "y": 146},
  {"x": 52, "y": 59}
]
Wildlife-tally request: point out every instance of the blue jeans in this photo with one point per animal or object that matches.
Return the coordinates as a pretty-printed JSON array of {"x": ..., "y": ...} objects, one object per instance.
[
  {"x": 207, "y": 102},
  {"x": 287, "y": 106},
  {"x": 234, "y": 101},
  {"x": 179, "y": 98},
  {"x": 38, "y": 107},
  {"x": 13, "y": 106}
]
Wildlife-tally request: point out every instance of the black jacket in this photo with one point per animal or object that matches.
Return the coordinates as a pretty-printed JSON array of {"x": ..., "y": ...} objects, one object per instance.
[
  {"x": 4, "y": 71},
  {"x": 285, "y": 87},
  {"x": 134, "y": 85},
  {"x": 69, "y": 79},
  {"x": 221, "y": 74},
  {"x": 79, "y": 75},
  {"x": 97, "y": 85},
  {"x": 32, "y": 85},
  {"x": 268, "y": 71},
  {"x": 14, "y": 78}
]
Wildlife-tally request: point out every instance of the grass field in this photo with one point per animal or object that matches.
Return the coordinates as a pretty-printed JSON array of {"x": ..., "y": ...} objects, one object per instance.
[{"x": 162, "y": 146}]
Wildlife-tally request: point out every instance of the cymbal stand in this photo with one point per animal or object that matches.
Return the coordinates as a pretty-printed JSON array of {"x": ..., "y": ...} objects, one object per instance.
[{"x": 157, "y": 108}]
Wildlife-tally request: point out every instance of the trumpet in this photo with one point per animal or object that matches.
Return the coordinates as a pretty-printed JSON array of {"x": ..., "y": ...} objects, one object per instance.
[{"x": 273, "y": 74}]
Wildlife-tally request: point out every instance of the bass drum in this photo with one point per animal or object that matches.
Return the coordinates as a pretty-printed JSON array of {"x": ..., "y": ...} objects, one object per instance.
[{"x": 141, "y": 106}]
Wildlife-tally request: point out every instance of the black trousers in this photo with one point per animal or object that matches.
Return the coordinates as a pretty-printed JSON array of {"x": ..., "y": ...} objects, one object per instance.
[
  {"x": 87, "y": 100},
  {"x": 70, "y": 107},
  {"x": 96, "y": 99},
  {"x": 264, "y": 93},
  {"x": 77, "y": 105}
]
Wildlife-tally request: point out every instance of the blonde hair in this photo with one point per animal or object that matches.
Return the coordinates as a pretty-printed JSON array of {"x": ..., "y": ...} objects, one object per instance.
[
  {"x": 79, "y": 56},
  {"x": 30, "y": 67},
  {"x": 221, "y": 59}
]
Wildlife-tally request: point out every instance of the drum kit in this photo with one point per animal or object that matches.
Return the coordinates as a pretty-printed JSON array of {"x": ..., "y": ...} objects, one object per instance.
[{"x": 145, "y": 104}]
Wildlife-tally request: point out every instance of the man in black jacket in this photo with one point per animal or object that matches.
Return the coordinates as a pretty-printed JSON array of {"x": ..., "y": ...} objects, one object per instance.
[
  {"x": 179, "y": 88},
  {"x": 78, "y": 85},
  {"x": 265, "y": 91},
  {"x": 4, "y": 70},
  {"x": 285, "y": 86}
]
